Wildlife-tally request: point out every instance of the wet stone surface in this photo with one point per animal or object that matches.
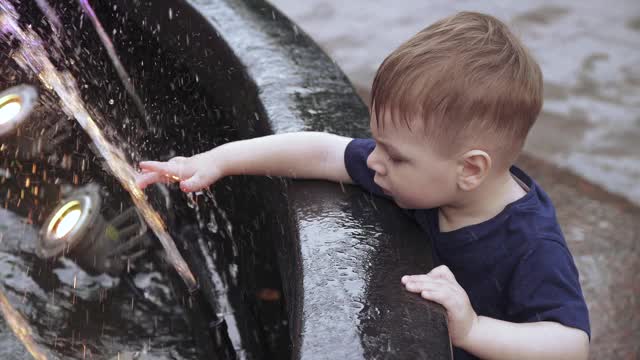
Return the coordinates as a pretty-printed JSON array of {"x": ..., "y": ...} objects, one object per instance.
[{"x": 75, "y": 315}]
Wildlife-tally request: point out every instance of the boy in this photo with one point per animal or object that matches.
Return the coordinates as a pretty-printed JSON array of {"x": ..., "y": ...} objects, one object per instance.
[{"x": 451, "y": 109}]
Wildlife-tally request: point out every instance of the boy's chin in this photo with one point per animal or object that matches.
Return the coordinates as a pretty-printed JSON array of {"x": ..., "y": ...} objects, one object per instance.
[
  {"x": 409, "y": 205},
  {"x": 400, "y": 204}
]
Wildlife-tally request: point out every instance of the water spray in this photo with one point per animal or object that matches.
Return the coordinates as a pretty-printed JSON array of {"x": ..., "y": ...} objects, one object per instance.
[
  {"x": 31, "y": 55},
  {"x": 122, "y": 73}
]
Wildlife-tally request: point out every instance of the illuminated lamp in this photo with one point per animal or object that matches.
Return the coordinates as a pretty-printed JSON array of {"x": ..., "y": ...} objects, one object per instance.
[
  {"x": 77, "y": 229},
  {"x": 16, "y": 103}
]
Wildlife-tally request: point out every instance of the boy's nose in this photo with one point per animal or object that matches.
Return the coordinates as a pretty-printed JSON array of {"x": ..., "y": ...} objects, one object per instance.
[{"x": 374, "y": 163}]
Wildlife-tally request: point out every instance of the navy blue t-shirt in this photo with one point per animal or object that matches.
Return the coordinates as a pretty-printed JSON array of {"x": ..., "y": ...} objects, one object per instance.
[{"x": 514, "y": 267}]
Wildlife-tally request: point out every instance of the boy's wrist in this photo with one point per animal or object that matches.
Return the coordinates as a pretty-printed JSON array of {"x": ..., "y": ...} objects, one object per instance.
[
  {"x": 470, "y": 341},
  {"x": 214, "y": 162}
]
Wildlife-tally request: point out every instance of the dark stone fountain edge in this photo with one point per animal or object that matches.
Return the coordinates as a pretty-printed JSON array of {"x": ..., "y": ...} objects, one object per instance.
[{"x": 341, "y": 252}]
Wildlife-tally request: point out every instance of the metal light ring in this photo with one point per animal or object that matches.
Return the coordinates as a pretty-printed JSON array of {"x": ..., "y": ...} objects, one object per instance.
[
  {"x": 26, "y": 96},
  {"x": 89, "y": 203}
]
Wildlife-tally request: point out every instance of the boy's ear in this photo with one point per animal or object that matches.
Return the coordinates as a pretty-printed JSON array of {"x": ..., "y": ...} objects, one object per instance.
[{"x": 473, "y": 168}]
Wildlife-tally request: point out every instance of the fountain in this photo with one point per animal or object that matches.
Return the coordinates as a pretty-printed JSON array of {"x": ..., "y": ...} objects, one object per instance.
[{"x": 300, "y": 269}]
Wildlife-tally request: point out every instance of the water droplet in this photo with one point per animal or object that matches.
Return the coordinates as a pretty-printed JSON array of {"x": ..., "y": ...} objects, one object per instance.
[{"x": 213, "y": 224}]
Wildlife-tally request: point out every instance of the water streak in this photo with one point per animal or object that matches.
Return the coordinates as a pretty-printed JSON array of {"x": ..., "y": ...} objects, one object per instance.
[
  {"x": 21, "y": 328},
  {"x": 54, "y": 20},
  {"x": 31, "y": 55},
  {"x": 122, "y": 73}
]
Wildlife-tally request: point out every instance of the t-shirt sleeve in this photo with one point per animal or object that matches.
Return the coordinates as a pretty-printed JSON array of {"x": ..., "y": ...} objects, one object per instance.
[
  {"x": 355, "y": 160},
  {"x": 546, "y": 287}
]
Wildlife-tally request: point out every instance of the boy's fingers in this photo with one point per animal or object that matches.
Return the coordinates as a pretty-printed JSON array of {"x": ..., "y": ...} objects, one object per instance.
[
  {"x": 151, "y": 165},
  {"x": 157, "y": 166},
  {"x": 194, "y": 183},
  {"x": 442, "y": 272},
  {"x": 418, "y": 286},
  {"x": 146, "y": 179},
  {"x": 442, "y": 296},
  {"x": 433, "y": 295},
  {"x": 413, "y": 287},
  {"x": 407, "y": 278},
  {"x": 170, "y": 169}
]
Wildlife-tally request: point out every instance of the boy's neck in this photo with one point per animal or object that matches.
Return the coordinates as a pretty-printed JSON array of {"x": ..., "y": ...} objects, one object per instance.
[{"x": 482, "y": 204}]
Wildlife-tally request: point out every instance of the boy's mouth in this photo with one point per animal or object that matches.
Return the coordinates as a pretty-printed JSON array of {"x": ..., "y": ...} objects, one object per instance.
[{"x": 384, "y": 190}]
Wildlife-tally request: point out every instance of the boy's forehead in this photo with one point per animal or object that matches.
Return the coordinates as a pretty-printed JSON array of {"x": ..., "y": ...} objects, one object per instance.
[{"x": 390, "y": 126}]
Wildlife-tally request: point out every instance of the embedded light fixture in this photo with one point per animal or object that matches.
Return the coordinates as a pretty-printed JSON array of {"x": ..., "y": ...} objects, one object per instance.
[
  {"x": 77, "y": 229},
  {"x": 16, "y": 103},
  {"x": 65, "y": 219}
]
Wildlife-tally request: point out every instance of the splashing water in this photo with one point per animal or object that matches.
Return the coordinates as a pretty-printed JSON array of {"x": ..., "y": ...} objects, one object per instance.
[
  {"x": 31, "y": 55},
  {"x": 21, "y": 328},
  {"x": 222, "y": 299},
  {"x": 55, "y": 22},
  {"x": 122, "y": 73}
]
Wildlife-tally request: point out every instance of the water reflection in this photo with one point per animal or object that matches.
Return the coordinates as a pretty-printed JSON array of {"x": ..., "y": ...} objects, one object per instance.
[
  {"x": 73, "y": 314},
  {"x": 77, "y": 315}
]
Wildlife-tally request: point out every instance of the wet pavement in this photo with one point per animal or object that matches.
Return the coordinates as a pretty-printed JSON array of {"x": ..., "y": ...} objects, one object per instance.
[{"x": 584, "y": 149}]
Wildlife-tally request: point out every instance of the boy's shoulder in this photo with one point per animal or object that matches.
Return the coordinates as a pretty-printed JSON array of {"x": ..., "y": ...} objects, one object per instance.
[
  {"x": 524, "y": 224},
  {"x": 534, "y": 214}
]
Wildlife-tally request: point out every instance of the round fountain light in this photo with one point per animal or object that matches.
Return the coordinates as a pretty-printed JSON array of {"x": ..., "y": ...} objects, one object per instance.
[
  {"x": 16, "y": 103},
  {"x": 77, "y": 229},
  {"x": 9, "y": 108},
  {"x": 70, "y": 221},
  {"x": 66, "y": 219}
]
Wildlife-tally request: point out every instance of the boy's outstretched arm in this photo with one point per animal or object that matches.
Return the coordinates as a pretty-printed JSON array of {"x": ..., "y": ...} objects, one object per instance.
[
  {"x": 304, "y": 155},
  {"x": 489, "y": 338}
]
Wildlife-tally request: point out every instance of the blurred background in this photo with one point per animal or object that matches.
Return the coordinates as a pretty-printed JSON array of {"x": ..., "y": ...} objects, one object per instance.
[
  {"x": 585, "y": 146},
  {"x": 588, "y": 52}
]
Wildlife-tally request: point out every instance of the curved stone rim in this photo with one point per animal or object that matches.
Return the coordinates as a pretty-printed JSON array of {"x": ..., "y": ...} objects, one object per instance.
[
  {"x": 263, "y": 39},
  {"x": 251, "y": 58}
]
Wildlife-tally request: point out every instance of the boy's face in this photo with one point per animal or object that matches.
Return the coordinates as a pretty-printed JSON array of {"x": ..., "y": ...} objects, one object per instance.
[{"x": 407, "y": 167}]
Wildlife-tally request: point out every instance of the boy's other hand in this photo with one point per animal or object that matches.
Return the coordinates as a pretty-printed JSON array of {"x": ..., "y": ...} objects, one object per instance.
[
  {"x": 440, "y": 285},
  {"x": 194, "y": 173}
]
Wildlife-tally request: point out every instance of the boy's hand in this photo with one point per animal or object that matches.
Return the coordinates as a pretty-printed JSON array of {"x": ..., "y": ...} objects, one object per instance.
[
  {"x": 441, "y": 286},
  {"x": 194, "y": 173}
]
